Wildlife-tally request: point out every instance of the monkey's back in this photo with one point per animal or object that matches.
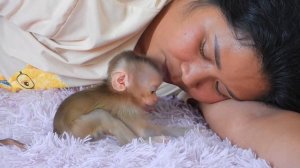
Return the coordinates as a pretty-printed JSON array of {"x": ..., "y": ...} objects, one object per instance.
[
  {"x": 71, "y": 108},
  {"x": 83, "y": 102}
]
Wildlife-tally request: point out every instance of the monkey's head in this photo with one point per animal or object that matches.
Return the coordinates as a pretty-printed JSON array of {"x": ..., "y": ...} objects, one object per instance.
[{"x": 137, "y": 76}]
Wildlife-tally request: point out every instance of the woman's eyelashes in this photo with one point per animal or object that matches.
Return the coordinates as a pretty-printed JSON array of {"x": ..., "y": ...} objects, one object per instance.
[
  {"x": 202, "y": 47},
  {"x": 219, "y": 90}
]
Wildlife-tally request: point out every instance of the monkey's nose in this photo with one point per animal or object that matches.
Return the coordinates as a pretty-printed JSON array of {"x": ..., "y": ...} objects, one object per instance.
[{"x": 150, "y": 101}]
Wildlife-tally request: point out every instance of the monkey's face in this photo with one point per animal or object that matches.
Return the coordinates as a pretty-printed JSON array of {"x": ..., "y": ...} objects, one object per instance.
[
  {"x": 144, "y": 88},
  {"x": 148, "y": 100}
]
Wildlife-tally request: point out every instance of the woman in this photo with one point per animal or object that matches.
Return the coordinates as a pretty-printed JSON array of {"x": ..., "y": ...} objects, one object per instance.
[
  {"x": 226, "y": 54},
  {"x": 229, "y": 52}
]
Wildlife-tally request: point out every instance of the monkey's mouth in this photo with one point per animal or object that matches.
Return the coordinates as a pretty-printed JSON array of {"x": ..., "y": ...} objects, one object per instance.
[{"x": 148, "y": 108}]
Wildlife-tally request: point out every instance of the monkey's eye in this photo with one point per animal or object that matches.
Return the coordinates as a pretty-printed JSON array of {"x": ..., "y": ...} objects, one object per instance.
[{"x": 153, "y": 92}]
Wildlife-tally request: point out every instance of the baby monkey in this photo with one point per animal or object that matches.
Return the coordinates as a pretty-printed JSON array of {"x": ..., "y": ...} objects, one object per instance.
[{"x": 117, "y": 107}]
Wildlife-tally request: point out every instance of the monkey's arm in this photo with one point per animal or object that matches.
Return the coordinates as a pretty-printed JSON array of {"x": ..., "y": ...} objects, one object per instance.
[
  {"x": 100, "y": 122},
  {"x": 140, "y": 122}
]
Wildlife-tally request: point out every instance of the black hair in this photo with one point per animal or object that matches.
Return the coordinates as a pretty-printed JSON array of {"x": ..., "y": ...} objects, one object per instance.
[{"x": 273, "y": 27}]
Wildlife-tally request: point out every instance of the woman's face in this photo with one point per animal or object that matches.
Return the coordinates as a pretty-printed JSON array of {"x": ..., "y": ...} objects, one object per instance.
[{"x": 199, "y": 52}]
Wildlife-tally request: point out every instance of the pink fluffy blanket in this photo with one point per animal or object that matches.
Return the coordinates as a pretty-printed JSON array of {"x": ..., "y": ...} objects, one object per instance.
[{"x": 27, "y": 116}]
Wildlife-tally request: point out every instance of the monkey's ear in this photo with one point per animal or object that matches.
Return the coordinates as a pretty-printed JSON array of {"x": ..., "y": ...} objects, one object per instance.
[{"x": 119, "y": 81}]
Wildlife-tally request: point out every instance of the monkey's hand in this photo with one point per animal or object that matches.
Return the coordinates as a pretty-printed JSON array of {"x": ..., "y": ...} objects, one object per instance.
[{"x": 158, "y": 139}]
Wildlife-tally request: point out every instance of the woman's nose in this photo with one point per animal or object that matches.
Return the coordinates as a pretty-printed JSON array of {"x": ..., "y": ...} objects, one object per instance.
[
  {"x": 194, "y": 73},
  {"x": 199, "y": 80}
]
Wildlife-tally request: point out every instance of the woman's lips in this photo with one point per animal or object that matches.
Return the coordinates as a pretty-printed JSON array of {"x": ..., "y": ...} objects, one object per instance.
[
  {"x": 175, "y": 80},
  {"x": 171, "y": 76},
  {"x": 166, "y": 72}
]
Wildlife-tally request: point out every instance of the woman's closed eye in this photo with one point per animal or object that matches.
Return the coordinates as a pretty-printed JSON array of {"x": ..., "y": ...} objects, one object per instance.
[
  {"x": 202, "y": 52},
  {"x": 221, "y": 89}
]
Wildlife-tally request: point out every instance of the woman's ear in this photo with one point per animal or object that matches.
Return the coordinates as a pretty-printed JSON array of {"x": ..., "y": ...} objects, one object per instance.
[{"x": 119, "y": 81}]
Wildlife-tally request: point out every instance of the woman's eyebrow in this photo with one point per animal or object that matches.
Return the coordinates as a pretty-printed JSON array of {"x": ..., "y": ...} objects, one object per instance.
[
  {"x": 217, "y": 53},
  {"x": 218, "y": 63}
]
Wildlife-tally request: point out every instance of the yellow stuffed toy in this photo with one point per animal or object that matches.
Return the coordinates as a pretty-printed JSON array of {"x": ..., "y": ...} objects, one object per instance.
[{"x": 31, "y": 78}]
